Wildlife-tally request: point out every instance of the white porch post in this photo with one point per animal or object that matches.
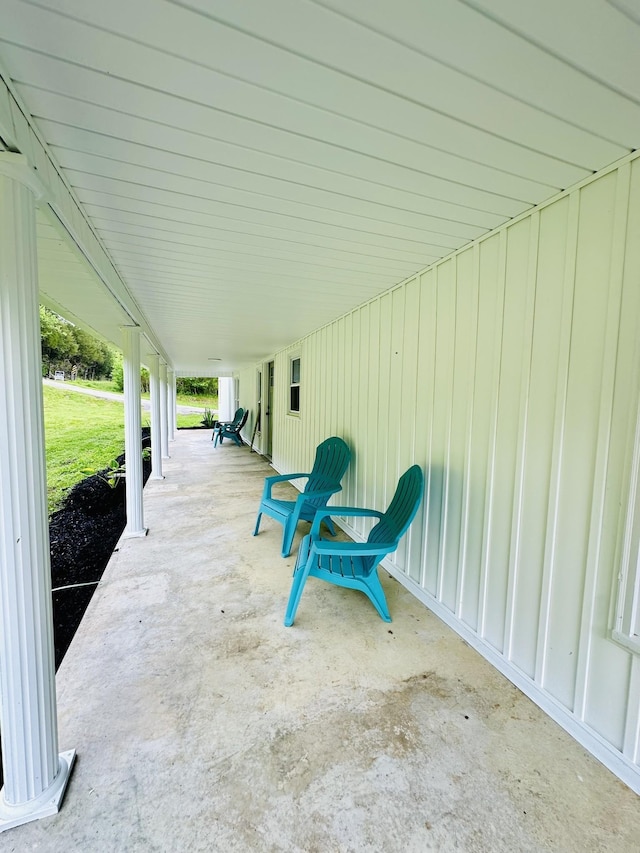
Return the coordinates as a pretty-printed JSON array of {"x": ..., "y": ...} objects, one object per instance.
[
  {"x": 226, "y": 398},
  {"x": 164, "y": 410},
  {"x": 154, "y": 387},
  {"x": 171, "y": 379},
  {"x": 35, "y": 775},
  {"x": 132, "y": 431}
]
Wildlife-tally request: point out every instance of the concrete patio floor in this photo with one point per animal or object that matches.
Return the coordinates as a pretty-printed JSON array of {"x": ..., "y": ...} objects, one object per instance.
[{"x": 201, "y": 723}]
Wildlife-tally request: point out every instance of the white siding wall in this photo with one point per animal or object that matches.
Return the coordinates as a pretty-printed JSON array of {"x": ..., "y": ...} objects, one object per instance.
[{"x": 510, "y": 373}]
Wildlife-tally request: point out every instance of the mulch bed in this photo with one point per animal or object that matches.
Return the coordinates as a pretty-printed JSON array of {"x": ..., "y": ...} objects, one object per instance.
[{"x": 83, "y": 535}]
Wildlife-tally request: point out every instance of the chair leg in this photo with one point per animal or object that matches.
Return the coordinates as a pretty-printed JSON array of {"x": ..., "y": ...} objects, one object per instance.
[
  {"x": 329, "y": 525},
  {"x": 299, "y": 579},
  {"x": 255, "y": 532},
  {"x": 372, "y": 588},
  {"x": 287, "y": 536}
]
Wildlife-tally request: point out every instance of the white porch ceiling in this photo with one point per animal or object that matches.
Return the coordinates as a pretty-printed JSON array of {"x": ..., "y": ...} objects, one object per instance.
[{"x": 255, "y": 169}]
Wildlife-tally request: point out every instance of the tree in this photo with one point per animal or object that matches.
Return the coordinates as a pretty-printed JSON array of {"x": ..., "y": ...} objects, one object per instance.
[
  {"x": 117, "y": 373},
  {"x": 68, "y": 347},
  {"x": 205, "y": 386},
  {"x": 94, "y": 358},
  {"x": 57, "y": 339}
]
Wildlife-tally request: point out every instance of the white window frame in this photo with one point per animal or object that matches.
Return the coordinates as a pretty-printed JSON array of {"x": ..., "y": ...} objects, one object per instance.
[
  {"x": 293, "y": 384},
  {"x": 626, "y": 628}
]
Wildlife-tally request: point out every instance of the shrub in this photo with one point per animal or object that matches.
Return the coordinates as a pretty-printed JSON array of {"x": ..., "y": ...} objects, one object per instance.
[{"x": 209, "y": 420}]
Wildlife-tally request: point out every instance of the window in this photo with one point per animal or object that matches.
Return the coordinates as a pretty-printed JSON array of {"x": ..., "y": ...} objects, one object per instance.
[
  {"x": 294, "y": 385},
  {"x": 626, "y": 629}
]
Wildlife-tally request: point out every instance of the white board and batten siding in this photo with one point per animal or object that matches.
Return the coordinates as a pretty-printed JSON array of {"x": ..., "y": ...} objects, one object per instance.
[{"x": 510, "y": 372}]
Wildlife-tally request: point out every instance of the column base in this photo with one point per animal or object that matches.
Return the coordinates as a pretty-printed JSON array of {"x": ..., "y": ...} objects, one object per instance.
[
  {"x": 135, "y": 534},
  {"x": 47, "y": 804}
]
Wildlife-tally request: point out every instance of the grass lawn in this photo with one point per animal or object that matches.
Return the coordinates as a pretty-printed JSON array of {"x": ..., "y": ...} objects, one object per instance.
[
  {"x": 197, "y": 400},
  {"x": 201, "y": 401},
  {"x": 81, "y": 433},
  {"x": 189, "y": 420},
  {"x": 97, "y": 384}
]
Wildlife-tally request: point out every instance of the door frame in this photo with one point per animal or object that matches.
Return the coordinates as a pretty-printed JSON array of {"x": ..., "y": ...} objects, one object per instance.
[{"x": 266, "y": 408}]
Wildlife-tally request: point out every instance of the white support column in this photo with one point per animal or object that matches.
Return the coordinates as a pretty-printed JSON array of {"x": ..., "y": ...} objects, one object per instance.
[
  {"x": 164, "y": 411},
  {"x": 154, "y": 387},
  {"x": 226, "y": 398},
  {"x": 171, "y": 383},
  {"x": 132, "y": 431},
  {"x": 35, "y": 775},
  {"x": 175, "y": 405}
]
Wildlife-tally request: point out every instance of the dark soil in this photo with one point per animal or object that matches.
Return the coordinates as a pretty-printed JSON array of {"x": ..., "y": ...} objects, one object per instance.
[{"x": 83, "y": 535}]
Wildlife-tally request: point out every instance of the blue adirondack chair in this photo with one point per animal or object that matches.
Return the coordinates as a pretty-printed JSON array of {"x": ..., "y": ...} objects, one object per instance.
[
  {"x": 236, "y": 419},
  {"x": 355, "y": 564},
  {"x": 332, "y": 460},
  {"x": 230, "y": 431}
]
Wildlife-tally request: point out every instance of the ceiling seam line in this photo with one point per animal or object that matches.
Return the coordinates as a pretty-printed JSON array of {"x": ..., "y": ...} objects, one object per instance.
[
  {"x": 477, "y": 79},
  {"x": 282, "y": 215},
  {"x": 285, "y": 160},
  {"x": 233, "y": 231},
  {"x": 549, "y": 51},
  {"x": 302, "y": 204},
  {"x": 294, "y": 133},
  {"x": 351, "y": 75},
  {"x": 230, "y": 231},
  {"x": 310, "y": 105}
]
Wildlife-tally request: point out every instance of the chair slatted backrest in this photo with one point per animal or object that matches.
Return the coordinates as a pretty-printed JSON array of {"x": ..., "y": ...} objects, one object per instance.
[
  {"x": 402, "y": 509},
  {"x": 331, "y": 462},
  {"x": 241, "y": 422}
]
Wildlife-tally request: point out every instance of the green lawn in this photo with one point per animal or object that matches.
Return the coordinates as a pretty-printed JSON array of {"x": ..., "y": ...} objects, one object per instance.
[
  {"x": 182, "y": 399},
  {"x": 97, "y": 384},
  {"x": 197, "y": 400},
  {"x": 189, "y": 420},
  {"x": 85, "y": 433},
  {"x": 81, "y": 433}
]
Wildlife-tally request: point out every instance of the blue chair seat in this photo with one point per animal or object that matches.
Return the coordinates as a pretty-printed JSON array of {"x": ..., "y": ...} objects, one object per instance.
[{"x": 278, "y": 510}]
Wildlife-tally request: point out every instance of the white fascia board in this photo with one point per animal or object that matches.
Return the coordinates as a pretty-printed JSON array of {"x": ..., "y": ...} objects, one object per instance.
[{"x": 20, "y": 135}]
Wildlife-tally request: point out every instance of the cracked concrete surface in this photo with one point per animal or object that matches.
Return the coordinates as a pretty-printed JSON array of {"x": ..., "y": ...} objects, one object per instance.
[{"x": 202, "y": 724}]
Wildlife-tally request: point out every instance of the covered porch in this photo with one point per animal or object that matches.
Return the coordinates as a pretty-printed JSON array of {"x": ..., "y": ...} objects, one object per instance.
[
  {"x": 351, "y": 212},
  {"x": 201, "y": 723}
]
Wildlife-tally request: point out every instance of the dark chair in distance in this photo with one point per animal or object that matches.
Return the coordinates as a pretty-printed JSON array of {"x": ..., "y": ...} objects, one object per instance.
[
  {"x": 236, "y": 419},
  {"x": 232, "y": 431}
]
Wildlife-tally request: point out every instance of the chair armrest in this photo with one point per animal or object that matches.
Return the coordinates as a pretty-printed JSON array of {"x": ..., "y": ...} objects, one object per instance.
[
  {"x": 325, "y": 493},
  {"x": 341, "y": 511},
  {"x": 354, "y": 549},
  {"x": 279, "y": 478}
]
